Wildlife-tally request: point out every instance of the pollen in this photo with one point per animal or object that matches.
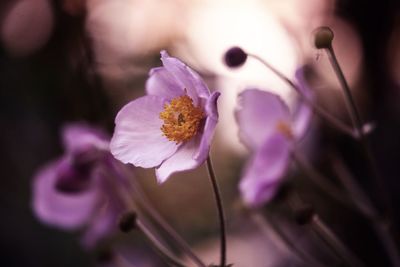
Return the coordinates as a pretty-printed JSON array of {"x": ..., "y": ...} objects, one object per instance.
[
  {"x": 181, "y": 119},
  {"x": 285, "y": 129}
]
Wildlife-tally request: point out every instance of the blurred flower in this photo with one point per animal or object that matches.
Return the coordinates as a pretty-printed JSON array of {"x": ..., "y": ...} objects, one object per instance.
[
  {"x": 170, "y": 128},
  {"x": 268, "y": 129},
  {"x": 78, "y": 190}
]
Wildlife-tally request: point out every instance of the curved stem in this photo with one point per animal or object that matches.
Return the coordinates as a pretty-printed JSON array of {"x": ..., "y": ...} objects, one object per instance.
[
  {"x": 327, "y": 235},
  {"x": 149, "y": 209},
  {"x": 218, "y": 200},
  {"x": 322, "y": 182},
  {"x": 369, "y": 211},
  {"x": 164, "y": 252},
  {"x": 290, "y": 245},
  {"x": 317, "y": 109},
  {"x": 358, "y": 124},
  {"x": 366, "y": 148},
  {"x": 330, "y": 238},
  {"x": 145, "y": 203}
]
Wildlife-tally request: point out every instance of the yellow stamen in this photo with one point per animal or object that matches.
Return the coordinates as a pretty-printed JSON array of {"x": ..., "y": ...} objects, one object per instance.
[
  {"x": 285, "y": 129},
  {"x": 181, "y": 119}
]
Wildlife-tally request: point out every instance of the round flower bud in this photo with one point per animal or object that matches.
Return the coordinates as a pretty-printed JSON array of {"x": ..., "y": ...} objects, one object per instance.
[
  {"x": 128, "y": 221},
  {"x": 323, "y": 37},
  {"x": 235, "y": 57},
  {"x": 304, "y": 215}
]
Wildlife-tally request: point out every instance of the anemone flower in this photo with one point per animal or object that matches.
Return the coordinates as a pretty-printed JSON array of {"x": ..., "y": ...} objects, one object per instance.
[
  {"x": 170, "y": 128},
  {"x": 77, "y": 191},
  {"x": 269, "y": 131}
]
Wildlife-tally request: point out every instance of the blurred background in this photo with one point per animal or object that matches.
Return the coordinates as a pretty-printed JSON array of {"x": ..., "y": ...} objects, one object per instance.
[{"x": 82, "y": 60}]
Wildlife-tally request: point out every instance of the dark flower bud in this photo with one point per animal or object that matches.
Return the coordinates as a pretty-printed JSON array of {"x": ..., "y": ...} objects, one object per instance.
[
  {"x": 127, "y": 222},
  {"x": 235, "y": 57},
  {"x": 323, "y": 37},
  {"x": 304, "y": 215}
]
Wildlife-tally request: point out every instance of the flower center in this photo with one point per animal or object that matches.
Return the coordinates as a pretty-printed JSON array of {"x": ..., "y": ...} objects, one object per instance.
[
  {"x": 285, "y": 129},
  {"x": 181, "y": 119}
]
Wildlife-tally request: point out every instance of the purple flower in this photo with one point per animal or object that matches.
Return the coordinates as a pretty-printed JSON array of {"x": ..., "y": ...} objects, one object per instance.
[
  {"x": 77, "y": 191},
  {"x": 170, "y": 128},
  {"x": 269, "y": 130}
]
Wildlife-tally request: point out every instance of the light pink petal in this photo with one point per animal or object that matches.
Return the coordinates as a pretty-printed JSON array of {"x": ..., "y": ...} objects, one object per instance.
[
  {"x": 258, "y": 113},
  {"x": 265, "y": 171},
  {"x": 301, "y": 120},
  {"x": 303, "y": 114},
  {"x": 67, "y": 211},
  {"x": 182, "y": 160},
  {"x": 138, "y": 137},
  {"x": 79, "y": 136},
  {"x": 209, "y": 127},
  {"x": 162, "y": 83},
  {"x": 185, "y": 77},
  {"x": 102, "y": 224}
]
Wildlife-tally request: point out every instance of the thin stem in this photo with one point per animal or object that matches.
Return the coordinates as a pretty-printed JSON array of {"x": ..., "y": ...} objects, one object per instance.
[
  {"x": 356, "y": 193},
  {"x": 164, "y": 252},
  {"x": 327, "y": 235},
  {"x": 351, "y": 105},
  {"x": 168, "y": 229},
  {"x": 320, "y": 181},
  {"x": 380, "y": 226},
  {"x": 318, "y": 110},
  {"x": 145, "y": 203},
  {"x": 358, "y": 197},
  {"x": 358, "y": 123},
  {"x": 290, "y": 245},
  {"x": 218, "y": 200}
]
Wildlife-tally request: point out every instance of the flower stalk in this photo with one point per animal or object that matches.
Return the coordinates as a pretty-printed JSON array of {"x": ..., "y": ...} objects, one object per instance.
[
  {"x": 265, "y": 225},
  {"x": 324, "y": 232},
  {"x": 162, "y": 249},
  {"x": 382, "y": 231},
  {"x": 218, "y": 200},
  {"x": 144, "y": 203}
]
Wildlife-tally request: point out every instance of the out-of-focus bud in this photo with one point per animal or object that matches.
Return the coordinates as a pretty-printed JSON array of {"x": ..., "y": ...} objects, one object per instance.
[
  {"x": 128, "y": 221},
  {"x": 304, "y": 215},
  {"x": 323, "y": 37},
  {"x": 235, "y": 57}
]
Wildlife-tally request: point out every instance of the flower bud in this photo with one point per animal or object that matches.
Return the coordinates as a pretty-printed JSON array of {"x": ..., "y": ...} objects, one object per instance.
[
  {"x": 127, "y": 222},
  {"x": 235, "y": 57},
  {"x": 323, "y": 37},
  {"x": 304, "y": 215}
]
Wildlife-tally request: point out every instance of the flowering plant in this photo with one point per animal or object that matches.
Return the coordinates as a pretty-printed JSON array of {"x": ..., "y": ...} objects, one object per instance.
[{"x": 172, "y": 126}]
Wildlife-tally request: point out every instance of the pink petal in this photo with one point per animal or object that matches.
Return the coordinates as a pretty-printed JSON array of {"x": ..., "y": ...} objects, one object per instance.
[
  {"x": 79, "y": 136},
  {"x": 185, "y": 77},
  {"x": 301, "y": 120},
  {"x": 68, "y": 211},
  {"x": 303, "y": 114},
  {"x": 162, "y": 83},
  {"x": 258, "y": 114},
  {"x": 102, "y": 223},
  {"x": 265, "y": 171},
  {"x": 138, "y": 137},
  {"x": 209, "y": 127},
  {"x": 182, "y": 160}
]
